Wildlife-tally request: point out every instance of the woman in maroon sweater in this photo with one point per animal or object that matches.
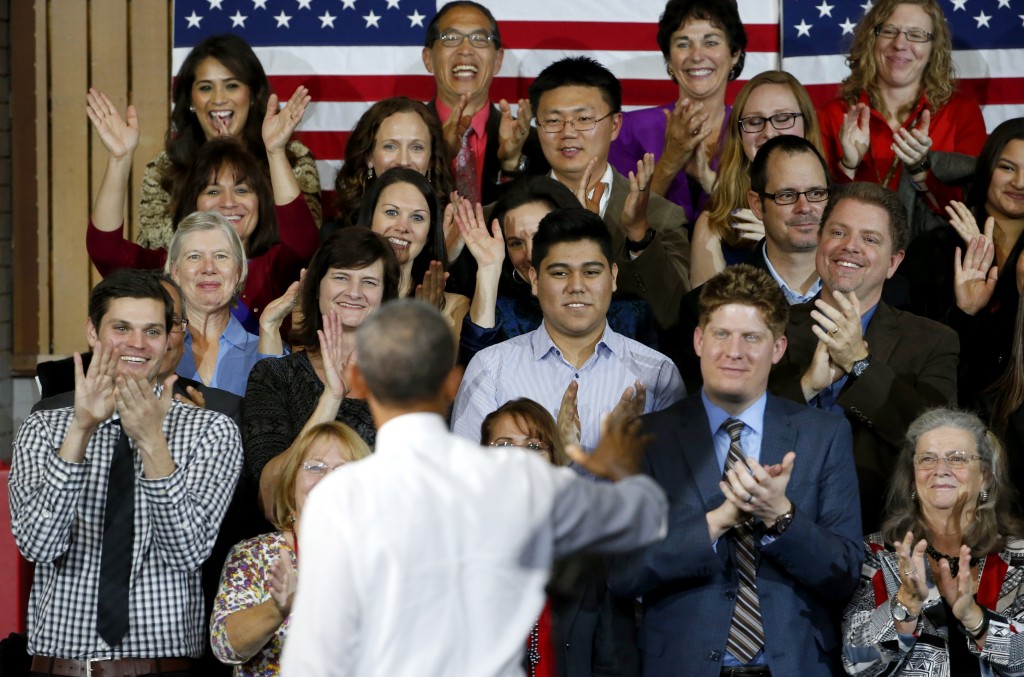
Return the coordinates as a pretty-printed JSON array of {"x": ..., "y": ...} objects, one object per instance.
[{"x": 271, "y": 217}]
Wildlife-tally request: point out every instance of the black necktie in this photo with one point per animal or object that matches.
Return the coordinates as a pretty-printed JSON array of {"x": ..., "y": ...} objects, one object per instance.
[{"x": 118, "y": 535}]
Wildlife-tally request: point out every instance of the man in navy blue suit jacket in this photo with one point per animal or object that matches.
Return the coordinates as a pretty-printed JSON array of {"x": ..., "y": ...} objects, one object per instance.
[{"x": 800, "y": 497}]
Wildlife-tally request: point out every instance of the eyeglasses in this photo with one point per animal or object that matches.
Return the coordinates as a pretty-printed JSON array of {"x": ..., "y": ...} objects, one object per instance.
[
  {"x": 532, "y": 446},
  {"x": 580, "y": 124},
  {"x": 319, "y": 468},
  {"x": 913, "y": 34},
  {"x": 755, "y": 123},
  {"x": 179, "y": 324},
  {"x": 957, "y": 460},
  {"x": 452, "y": 38},
  {"x": 788, "y": 197}
]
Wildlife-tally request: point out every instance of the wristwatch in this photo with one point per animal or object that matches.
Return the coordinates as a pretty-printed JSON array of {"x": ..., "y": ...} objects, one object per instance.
[
  {"x": 860, "y": 366},
  {"x": 782, "y": 522},
  {"x": 900, "y": 612},
  {"x": 641, "y": 245},
  {"x": 922, "y": 166}
]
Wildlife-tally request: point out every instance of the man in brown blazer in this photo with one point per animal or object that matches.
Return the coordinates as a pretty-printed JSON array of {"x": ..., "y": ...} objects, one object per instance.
[
  {"x": 851, "y": 353},
  {"x": 578, "y": 104}
]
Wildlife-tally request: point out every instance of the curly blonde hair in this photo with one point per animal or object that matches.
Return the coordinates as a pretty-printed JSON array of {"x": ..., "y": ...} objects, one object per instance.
[
  {"x": 938, "y": 82},
  {"x": 733, "y": 182}
]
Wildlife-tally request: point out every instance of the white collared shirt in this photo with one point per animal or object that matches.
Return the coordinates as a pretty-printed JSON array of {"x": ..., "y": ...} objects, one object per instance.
[{"x": 606, "y": 179}]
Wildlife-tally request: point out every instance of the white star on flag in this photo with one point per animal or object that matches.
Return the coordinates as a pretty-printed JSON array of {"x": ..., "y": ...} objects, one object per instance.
[
  {"x": 803, "y": 28},
  {"x": 348, "y": 4},
  {"x": 327, "y": 20},
  {"x": 1004, "y": 3},
  {"x": 283, "y": 20},
  {"x": 416, "y": 19},
  {"x": 215, "y": 4},
  {"x": 393, "y": 4},
  {"x": 238, "y": 20},
  {"x": 372, "y": 20},
  {"x": 866, "y": 6},
  {"x": 259, "y": 4},
  {"x": 982, "y": 20},
  {"x": 825, "y": 9},
  {"x": 847, "y": 26},
  {"x": 958, "y": 5},
  {"x": 193, "y": 20},
  {"x": 304, "y": 4}
]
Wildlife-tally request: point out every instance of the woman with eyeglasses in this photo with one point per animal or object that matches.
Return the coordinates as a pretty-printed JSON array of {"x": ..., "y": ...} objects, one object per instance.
[
  {"x": 252, "y": 607},
  {"x": 583, "y": 630},
  {"x": 942, "y": 585},
  {"x": 704, "y": 46},
  {"x": 770, "y": 104},
  {"x": 899, "y": 120}
]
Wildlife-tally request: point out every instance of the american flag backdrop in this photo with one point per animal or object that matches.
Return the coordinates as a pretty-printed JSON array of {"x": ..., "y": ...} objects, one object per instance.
[{"x": 350, "y": 53}]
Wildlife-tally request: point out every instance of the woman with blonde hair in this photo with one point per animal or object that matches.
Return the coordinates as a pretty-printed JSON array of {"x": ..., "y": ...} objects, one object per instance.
[
  {"x": 770, "y": 104},
  {"x": 253, "y": 604},
  {"x": 899, "y": 120}
]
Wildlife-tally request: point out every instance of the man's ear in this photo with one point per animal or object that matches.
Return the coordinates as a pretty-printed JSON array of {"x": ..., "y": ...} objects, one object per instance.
[
  {"x": 754, "y": 202},
  {"x": 91, "y": 335},
  {"x": 533, "y": 280},
  {"x": 615, "y": 276},
  {"x": 428, "y": 60}
]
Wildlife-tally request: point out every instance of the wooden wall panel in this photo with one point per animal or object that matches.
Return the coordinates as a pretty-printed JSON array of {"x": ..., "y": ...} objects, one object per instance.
[
  {"x": 122, "y": 47},
  {"x": 69, "y": 170}
]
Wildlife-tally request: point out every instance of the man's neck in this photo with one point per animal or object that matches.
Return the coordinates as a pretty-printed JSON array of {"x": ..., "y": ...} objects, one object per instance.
[
  {"x": 576, "y": 350},
  {"x": 382, "y": 412},
  {"x": 572, "y": 181},
  {"x": 795, "y": 268}
]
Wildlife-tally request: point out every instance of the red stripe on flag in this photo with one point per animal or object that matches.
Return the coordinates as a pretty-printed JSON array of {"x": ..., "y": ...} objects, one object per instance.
[
  {"x": 325, "y": 145},
  {"x": 610, "y": 36}
]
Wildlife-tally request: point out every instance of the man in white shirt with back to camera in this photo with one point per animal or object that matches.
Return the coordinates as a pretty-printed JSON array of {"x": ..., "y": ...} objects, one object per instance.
[{"x": 430, "y": 558}]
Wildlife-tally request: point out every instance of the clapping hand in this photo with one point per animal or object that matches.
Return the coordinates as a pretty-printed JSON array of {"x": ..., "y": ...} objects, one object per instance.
[
  {"x": 119, "y": 136},
  {"x": 487, "y": 247},
  {"x": 619, "y": 453},
  {"x": 634, "y": 212},
  {"x": 757, "y": 492},
  {"x": 747, "y": 225},
  {"x": 964, "y": 223},
  {"x": 512, "y": 133},
  {"x": 839, "y": 328},
  {"x": 686, "y": 128},
  {"x": 959, "y": 590},
  {"x": 913, "y": 589},
  {"x": 94, "y": 388},
  {"x": 911, "y": 147},
  {"x": 283, "y": 582},
  {"x": 455, "y": 127},
  {"x": 593, "y": 200},
  {"x": 332, "y": 356},
  {"x": 568, "y": 422},
  {"x": 632, "y": 403},
  {"x": 855, "y": 136},
  {"x": 431, "y": 290},
  {"x": 974, "y": 280}
]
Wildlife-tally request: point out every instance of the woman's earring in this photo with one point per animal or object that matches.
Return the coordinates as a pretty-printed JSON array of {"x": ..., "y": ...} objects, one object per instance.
[
  {"x": 191, "y": 109},
  {"x": 983, "y": 496},
  {"x": 913, "y": 494},
  {"x": 369, "y": 174},
  {"x": 668, "y": 69},
  {"x": 428, "y": 175},
  {"x": 517, "y": 277}
]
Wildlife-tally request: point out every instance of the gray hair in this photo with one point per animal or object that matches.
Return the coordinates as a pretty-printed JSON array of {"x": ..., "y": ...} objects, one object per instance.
[
  {"x": 405, "y": 351},
  {"x": 203, "y": 221},
  {"x": 994, "y": 519}
]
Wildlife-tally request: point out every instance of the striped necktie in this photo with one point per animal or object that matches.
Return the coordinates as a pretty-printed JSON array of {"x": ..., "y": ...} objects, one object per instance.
[
  {"x": 746, "y": 635},
  {"x": 465, "y": 170}
]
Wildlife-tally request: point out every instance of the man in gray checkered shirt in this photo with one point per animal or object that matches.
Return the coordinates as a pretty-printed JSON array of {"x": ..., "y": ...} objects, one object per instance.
[{"x": 186, "y": 462}]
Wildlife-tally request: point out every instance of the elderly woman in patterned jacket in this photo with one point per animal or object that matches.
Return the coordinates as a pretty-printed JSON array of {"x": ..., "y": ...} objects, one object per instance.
[{"x": 942, "y": 588}]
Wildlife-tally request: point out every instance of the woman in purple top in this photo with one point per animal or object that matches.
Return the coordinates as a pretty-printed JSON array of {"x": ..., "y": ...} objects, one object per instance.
[{"x": 704, "y": 45}]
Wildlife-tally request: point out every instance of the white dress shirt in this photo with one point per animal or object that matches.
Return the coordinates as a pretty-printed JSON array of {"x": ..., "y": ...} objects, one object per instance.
[
  {"x": 430, "y": 557},
  {"x": 531, "y": 365}
]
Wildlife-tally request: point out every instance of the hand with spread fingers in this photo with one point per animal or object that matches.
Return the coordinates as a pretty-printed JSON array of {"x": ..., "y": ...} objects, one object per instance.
[
  {"x": 512, "y": 133},
  {"x": 332, "y": 356},
  {"x": 94, "y": 388},
  {"x": 119, "y": 136},
  {"x": 486, "y": 246},
  {"x": 839, "y": 328},
  {"x": 964, "y": 223},
  {"x": 568, "y": 421},
  {"x": 758, "y": 493},
  {"x": 974, "y": 279},
  {"x": 279, "y": 124},
  {"x": 959, "y": 590},
  {"x": 620, "y": 452}
]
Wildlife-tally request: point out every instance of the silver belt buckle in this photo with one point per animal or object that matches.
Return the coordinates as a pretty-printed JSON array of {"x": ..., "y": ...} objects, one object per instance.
[{"x": 88, "y": 664}]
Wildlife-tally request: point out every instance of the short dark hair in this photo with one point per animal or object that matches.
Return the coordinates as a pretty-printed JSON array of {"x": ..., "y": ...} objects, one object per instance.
[
  {"x": 571, "y": 225},
  {"x": 580, "y": 71},
  {"x": 128, "y": 283},
  {"x": 790, "y": 145},
  {"x": 434, "y": 249},
  {"x": 878, "y": 196},
  {"x": 434, "y": 27},
  {"x": 722, "y": 14},
  {"x": 216, "y": 156},
  {"x": 406, "y": 351},
  {"x": 351, "y": 248},
  {"x": 746, "y": 285}
]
